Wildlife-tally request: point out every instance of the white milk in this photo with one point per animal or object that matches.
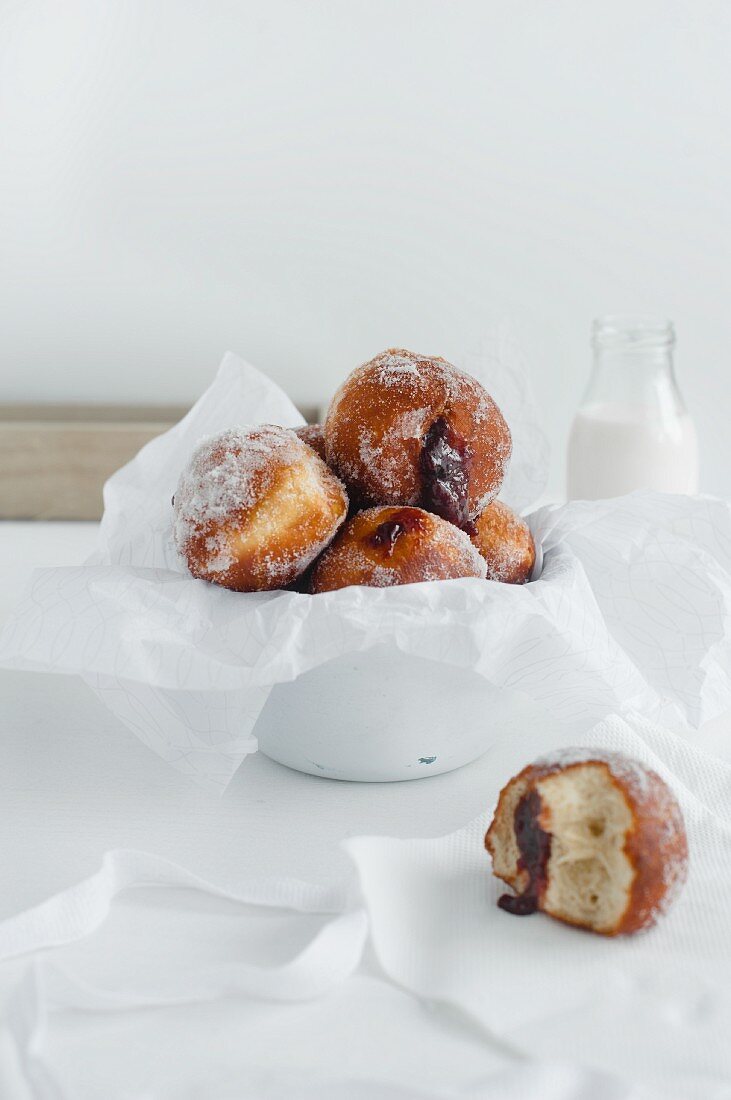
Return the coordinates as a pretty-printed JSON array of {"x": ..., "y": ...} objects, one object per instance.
[{"x": 615, "y": 448}]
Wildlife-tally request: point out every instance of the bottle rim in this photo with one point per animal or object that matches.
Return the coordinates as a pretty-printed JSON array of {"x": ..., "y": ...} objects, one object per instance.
[{"x": 632, "y": 332}]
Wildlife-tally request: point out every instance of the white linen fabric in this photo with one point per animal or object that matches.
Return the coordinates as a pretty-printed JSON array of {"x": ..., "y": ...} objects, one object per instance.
[
  {"x": 630, "y": 611},
  {"x": 549, "y": 1011},
  {"x": 330, "y": 956}
]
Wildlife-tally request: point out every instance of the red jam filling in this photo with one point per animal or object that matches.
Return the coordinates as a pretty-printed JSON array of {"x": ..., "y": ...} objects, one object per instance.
[
  {"x": 445, "y": 465},
  {"x": 387, "y": 534},
  {"x": 535, "y": 848}
]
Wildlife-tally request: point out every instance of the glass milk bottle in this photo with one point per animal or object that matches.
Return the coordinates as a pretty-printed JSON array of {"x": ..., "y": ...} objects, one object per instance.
[{"x": 632, "y": 430}]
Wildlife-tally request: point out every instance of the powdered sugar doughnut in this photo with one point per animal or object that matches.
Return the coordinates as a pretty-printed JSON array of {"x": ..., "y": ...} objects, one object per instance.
[
  {"x": 592, "y": 838},
  {"x": 506, "y": 543},
  {"x": 412, "y": 429},
  {"x": 314, "y": 436},
  {"x": 254, "y": 507},
  {"x": 381, "y": 547}
]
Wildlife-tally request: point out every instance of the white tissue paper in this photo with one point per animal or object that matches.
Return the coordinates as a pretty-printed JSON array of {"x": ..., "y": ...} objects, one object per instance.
[{"x": 630, "y": 610}]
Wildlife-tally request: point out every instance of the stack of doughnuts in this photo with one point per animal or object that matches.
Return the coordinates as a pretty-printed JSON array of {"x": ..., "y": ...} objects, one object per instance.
[{"x": 398, "y": 486}]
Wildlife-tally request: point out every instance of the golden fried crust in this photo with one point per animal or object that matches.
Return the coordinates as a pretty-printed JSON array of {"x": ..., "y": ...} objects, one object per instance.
[
  {"x": 506, "y": 543},
  {"x": 387, "y": 546},
  {"x": 254, "y": 508},
  {"x": 380, "y": 416},
  {"x": 657, "y": 848},
  {"x": 514, "y": 789},
  {"x": 314, "y": 436},
  {"x": 655, "y": 845}
]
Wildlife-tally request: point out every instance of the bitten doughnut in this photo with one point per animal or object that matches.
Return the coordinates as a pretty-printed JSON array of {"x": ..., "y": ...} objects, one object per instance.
[
  {"x": 411, "y": 429},
  {"x": 314, "y": 436},
  {"x": 592, "y": 838},
  {"x": 396, "y": 545},
  {"x": 254, "y": 507},
  {"x": 506, "y": 544}
]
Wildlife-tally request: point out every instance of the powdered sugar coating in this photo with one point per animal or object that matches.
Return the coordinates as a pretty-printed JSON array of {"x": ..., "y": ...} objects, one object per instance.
[
  {"x": 354, "y": 561},
  {"x": 624, "y": 768},
  {"x": 506, "y": 543},
  {"x": 254, "y": 507},
  {"x": 435, "y": 550},
  {"x": 384, "y": 454},
  {"x": 226, "y": 474},
  {"x": 379, "y": 418}
]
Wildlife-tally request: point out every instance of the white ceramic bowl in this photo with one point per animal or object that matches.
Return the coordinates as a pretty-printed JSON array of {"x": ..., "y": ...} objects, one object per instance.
[{"x": 382, "y": 716}]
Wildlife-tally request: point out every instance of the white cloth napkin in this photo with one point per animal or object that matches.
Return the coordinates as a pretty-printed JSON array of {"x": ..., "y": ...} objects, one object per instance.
[
  {"x": 542, "y": 1009},
  {"x": 324, "y": 962}
]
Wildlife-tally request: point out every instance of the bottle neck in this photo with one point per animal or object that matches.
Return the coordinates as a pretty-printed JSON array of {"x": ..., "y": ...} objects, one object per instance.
[{"x": 633, "y": 367}]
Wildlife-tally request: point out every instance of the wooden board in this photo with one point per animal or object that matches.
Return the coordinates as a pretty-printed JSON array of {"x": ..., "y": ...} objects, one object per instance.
[{"x": 55, "y": 459}]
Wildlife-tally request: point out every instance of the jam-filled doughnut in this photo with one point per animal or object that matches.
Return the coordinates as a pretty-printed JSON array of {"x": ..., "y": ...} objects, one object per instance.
[
  {"x": 314, "y": 436},
  {"x": 506, "y": 543},
  {"x": 411, "y": 429},
  {"x": 592, "y": 838},
  {"x": 254, "y": 507},
  {"x": 382, "y": 547}
]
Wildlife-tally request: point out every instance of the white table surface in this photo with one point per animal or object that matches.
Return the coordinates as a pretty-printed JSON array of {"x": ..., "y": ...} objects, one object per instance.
[{"x": 75, "y": 783}]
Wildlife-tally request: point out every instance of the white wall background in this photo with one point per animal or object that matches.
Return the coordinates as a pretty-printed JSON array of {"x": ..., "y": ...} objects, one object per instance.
[{"x": 309, "y": 182}]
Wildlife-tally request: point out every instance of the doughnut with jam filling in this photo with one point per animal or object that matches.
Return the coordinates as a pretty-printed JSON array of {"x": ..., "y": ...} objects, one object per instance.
[
  {"x": 382, "y": 547},
  {"x": 591, "y": 838},
  {"x": 413, "y": 429}
]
